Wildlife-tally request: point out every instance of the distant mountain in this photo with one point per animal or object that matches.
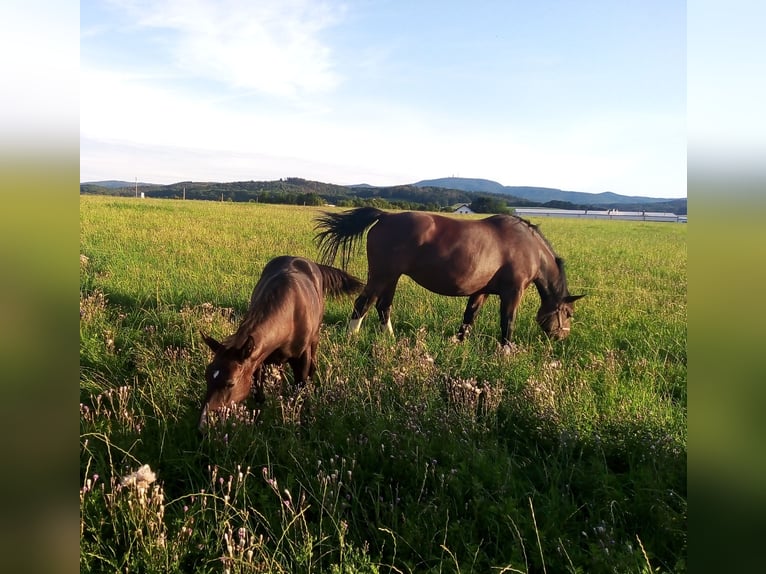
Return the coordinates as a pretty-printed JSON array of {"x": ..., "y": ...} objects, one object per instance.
[
  {"x": 464, "y": 184},
  {"x": 540, "y": 194},
  {"x": 432, "y": 195}
]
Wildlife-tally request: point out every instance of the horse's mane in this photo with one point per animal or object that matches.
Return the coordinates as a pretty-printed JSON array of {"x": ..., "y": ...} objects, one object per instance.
[
  {"x": 268, "y": 297},
  {"x": 271, "y": 293},
  {"x": 535, "y": 230},
  {"x": 559, "y": 286}
]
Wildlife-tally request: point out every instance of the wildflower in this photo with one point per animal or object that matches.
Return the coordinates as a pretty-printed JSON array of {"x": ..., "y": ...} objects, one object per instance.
[{"x": 141, "y": 478}]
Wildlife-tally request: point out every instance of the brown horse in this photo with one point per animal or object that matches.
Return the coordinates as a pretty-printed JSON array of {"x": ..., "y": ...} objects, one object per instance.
[
  {"x": 281, "y": 326},
  {"x": 498, "y": 255}
]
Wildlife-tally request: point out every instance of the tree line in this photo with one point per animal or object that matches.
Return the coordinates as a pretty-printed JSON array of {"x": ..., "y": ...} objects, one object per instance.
[{"x": 298, "y": 191}]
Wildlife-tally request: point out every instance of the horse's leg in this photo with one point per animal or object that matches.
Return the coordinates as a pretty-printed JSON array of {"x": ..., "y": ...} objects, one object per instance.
[
  {"x": 383, "y": 305},
  {"x": 509, "y": 303},
  {"x": 361, "y": 306},
  {"x": 475, "y": 302},
  {"x": 302, "y": 368},
  {"x": 313, "y": 359}
]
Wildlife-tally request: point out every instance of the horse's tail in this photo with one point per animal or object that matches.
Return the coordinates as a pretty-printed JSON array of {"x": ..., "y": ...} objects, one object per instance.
[
  {"x": 343, "y": 231},
  {"x": 337, "y": 282}
]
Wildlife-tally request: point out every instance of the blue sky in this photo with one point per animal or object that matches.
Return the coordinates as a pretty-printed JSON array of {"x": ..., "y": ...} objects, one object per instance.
[{"x": 584, "y": 96}]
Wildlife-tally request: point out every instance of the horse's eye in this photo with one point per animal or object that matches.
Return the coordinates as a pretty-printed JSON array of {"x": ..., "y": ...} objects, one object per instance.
[
  {"x": 220, "y": 378},
  {"x": 223, "y": 382}
]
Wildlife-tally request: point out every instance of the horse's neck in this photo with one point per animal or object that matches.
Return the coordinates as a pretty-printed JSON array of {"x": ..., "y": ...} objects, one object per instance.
[
  {"x": 264, "y": 339},
  {"x": 549, "y": 282},
  {"x": 543, "y": 289},
  {"x": 261, "y": 351}
]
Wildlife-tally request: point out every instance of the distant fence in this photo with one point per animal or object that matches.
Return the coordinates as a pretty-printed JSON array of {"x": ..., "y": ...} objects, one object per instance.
[{"x": 601, "y": 214}]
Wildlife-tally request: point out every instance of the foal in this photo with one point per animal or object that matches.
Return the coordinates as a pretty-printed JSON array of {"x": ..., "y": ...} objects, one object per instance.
[{"x": 281, "y": 326}]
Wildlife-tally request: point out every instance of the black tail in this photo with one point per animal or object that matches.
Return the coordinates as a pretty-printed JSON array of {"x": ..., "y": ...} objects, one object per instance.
[
  {"x": 343, "y": 231},
  {"x": 338, "y": 282}
]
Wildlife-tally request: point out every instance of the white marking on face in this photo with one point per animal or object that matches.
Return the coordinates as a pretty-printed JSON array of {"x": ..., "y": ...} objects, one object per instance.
[{"x": 216, "y": 373}]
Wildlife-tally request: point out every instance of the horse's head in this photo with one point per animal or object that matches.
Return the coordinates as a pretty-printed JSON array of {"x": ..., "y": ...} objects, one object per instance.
[
  {"x": 229, "y": 376},
  {"x": 555, "y": 319}
]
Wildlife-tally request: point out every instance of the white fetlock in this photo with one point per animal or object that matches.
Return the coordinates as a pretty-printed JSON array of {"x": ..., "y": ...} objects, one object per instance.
[{"x": 354, "y": 325}]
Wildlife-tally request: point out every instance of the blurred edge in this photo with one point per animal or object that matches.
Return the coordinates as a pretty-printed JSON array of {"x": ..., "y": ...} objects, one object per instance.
[
  {"x": 39, "y": 173},
  {"x": 727, "y": 382},
  {"x": 727, "y": 370},
  {"x": 727, "y": 268},
  {"x": 39, "y": 361}
]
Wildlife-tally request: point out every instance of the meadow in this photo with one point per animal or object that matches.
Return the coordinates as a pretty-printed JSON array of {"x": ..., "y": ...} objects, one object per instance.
[{"x": 410, "y": 453}]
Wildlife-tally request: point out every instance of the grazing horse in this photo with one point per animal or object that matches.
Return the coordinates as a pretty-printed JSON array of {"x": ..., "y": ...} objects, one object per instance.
[
  {"x": 281, "y": 326},
  {"x": 499, "y": 255}
]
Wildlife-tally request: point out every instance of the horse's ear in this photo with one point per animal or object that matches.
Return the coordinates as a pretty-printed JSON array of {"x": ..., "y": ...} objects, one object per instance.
[
  {"x": 572, "y": 298},
  {"x": 247, "y": 348},
  {"x": 212, "y": 343}
]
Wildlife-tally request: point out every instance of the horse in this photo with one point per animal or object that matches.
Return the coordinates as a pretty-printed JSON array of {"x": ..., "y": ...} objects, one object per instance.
[
  {"x": 281, "y": 326},
  {"x": 498, "y": 255}
]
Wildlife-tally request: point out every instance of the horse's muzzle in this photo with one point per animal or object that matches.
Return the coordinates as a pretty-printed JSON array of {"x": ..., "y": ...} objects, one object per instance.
[
  {"x": 202, "y": 425},
  {"x": 559, "y": 334}
]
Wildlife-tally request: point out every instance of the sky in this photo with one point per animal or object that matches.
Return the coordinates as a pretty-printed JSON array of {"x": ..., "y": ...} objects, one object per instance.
[{"x": 582, "y": 96}]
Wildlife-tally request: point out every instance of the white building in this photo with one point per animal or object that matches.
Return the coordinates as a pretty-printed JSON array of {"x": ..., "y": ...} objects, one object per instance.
[{"x": 463, "y": 209}]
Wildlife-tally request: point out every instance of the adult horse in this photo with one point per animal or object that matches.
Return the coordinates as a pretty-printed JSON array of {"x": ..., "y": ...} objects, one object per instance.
[
  {"x": 281, "y": 326},
  {"x": 499, "y": 255}
]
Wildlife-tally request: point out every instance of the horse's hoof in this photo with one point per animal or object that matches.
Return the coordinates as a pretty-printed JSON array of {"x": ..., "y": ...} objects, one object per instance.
[{"x": 509, "y": 349}]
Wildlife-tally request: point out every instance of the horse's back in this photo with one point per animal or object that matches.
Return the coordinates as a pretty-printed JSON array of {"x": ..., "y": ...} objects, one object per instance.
[
  {"x": 410, "y": 229},
  {"x": 440, "y": 235},
  {"x": 289, "y": 284},
  {"x": 431, "y": 226},
  {"x": 452, "y": 256},
  {"x": 289, "y": 264}
]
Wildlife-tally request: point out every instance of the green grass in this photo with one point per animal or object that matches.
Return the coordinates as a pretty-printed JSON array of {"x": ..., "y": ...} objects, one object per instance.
[{"x": 409, "y": 454}]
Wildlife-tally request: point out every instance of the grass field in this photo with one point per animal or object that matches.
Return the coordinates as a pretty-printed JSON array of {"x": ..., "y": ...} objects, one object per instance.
[{"x": 408, "y": 454}]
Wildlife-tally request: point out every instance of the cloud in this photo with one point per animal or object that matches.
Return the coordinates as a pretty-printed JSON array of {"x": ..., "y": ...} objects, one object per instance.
[
  {"x": 253, "y": 90},
  {"x": 273, "y": 47}
]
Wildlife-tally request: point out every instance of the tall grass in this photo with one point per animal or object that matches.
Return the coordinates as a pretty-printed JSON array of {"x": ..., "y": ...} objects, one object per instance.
[{"x": 407, "y": 454}]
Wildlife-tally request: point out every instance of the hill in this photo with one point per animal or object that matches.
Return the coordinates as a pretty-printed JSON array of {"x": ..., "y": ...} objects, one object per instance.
[
  {"x": 541, "y": 194},
  {"x": 292, "y": 190},
  {"x": 530, "y": 196},
  {"x": 432, "y": 195}
]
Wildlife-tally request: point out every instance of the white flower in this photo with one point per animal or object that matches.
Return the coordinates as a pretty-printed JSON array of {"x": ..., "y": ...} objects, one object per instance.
[{"x": 142, "y": 478}]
